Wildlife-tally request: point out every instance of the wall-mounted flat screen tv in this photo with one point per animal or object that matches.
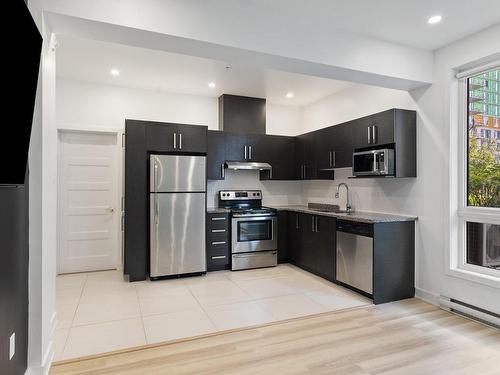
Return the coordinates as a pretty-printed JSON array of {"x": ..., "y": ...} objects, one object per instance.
[{"x": 22, "y": 45}]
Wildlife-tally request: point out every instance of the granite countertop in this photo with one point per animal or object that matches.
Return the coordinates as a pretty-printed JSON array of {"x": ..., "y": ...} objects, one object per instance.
[
  {"x": 358, "y": 216},
  {"x": 217, "y": 210}
]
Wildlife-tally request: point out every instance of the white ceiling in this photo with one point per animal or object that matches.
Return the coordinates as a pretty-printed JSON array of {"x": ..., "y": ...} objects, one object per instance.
[
  {"x": 400, "y": 21},
  {"x": 92, "y": 61}
]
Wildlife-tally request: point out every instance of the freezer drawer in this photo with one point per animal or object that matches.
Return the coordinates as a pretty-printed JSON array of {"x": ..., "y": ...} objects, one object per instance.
[
  {"x": 176, "y": 173},
  {"x": 177, "y": 233},
  {"x": 355, "y": 261}
]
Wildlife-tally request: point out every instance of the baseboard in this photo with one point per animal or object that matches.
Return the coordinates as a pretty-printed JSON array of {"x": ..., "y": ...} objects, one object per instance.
[{"x": 427, "y": 296}]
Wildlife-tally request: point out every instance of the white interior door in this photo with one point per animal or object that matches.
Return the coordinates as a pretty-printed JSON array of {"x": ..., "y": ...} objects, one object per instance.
[{"x": 89, "y": 209}]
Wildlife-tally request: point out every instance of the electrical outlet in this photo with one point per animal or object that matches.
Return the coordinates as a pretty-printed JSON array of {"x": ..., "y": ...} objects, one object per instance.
[{"x": 12, "y": 345}]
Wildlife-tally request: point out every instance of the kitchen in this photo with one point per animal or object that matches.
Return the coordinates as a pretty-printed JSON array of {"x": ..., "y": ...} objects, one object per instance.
[
  {"x": 244, "y": 195},
  {"x": 239, "y": 197}
]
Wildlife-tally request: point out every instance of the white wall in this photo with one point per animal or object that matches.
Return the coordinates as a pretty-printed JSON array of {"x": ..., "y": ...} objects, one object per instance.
[
  {"x": 351, "y": 103},
  {"x": 428, "y": 195},
  {"x": 273, "y": 192},
  {"x": 43, "y": 204},
  {"x": 83, "y": 105},
  {"x": 236, "y": 31},
  {"x": 438, "y": 108},
  {"x": 387, "y": 195}
]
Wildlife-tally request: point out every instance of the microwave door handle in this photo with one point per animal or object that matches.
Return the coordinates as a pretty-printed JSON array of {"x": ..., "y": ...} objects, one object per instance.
[{"x": 375, "y": 163}]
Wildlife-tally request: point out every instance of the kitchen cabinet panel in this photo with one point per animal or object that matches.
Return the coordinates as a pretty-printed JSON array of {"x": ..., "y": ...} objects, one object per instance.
[
  {"x": 168, "y": 137},
  {"x": 312, "y": 243},
  {"x": 279, "y": 151},
  {"x": 396, "y": 129},
  {"x": 235, "y": 144},
  {"x": 324, "y": 242},
  {"x": 216, "y": 155},
  {"x": 242, "y": 114},
  {"x": 283, "y": 243},
  {"x": 343, "y": 135},
  {"x": 218, "y": 241}
]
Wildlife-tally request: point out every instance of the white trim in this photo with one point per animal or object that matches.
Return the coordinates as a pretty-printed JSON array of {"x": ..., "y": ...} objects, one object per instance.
[
  {"x": 460, "y": 213},
  {"x": 68, "y": 127},
  {"x": 120, "y": 162},
  {"x": 427, "y": 296},
  {"x": 478, "y": 70}
]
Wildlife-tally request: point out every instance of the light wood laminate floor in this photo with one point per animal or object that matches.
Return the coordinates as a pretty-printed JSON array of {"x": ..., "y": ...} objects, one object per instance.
[{"x": 407, "y": 337}]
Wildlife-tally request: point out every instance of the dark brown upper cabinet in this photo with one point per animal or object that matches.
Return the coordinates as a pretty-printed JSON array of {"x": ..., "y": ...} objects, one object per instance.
[
  {"x": 383, "y": 128},
  {"x": 396, "y": 129},
  {"x": 170, "y": 137},
  {"x": 276, "y": 150},
  {"x": 216, "y": 155},
  {"x": 242, "y": 114}
]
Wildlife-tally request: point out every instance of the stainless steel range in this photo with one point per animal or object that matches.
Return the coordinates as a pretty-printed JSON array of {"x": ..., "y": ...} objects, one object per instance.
[{"x": 254, "y": 229}]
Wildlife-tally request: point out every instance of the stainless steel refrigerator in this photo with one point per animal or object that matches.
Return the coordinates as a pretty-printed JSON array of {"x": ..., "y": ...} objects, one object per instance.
[{"x": 177, "y": 217}]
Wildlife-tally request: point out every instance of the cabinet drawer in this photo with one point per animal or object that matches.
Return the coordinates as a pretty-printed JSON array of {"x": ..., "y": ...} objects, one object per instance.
[
  {"x": 217, "y": 222},
  {"x": 219, "y": 244},
  {"x": 217, "y": 231},
  {"x": 218, "y": 258},
  {"x": 217, "y": 238},
  {"x": 217, "y": 262}
]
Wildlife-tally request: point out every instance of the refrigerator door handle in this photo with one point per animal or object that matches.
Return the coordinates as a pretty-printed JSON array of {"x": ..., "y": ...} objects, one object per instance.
[{"x": 175, "y": 141}]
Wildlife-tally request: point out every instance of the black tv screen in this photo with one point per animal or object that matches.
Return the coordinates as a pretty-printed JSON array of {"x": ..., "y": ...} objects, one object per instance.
[{"x": 23, "y": 45}]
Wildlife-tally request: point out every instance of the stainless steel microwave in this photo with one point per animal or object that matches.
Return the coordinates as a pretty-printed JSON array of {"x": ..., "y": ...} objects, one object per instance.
[{"x": 373, "y": 163}]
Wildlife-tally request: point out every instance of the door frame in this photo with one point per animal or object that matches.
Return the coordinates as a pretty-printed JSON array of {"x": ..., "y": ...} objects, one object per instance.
[{"x": 119, "y": 193}]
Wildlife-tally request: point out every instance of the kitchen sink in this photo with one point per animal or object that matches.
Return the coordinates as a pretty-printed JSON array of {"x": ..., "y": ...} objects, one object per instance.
[{"x": 323, "y": 207}]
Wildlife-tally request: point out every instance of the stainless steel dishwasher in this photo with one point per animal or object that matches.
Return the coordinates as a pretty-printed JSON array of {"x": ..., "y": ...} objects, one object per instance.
[{"x": 355, "y": 255}]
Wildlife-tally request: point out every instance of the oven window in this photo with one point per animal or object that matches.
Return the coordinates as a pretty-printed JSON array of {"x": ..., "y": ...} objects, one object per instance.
[
  {"x": 257, "y": 230},
  {"x": 363, "y": 163}
]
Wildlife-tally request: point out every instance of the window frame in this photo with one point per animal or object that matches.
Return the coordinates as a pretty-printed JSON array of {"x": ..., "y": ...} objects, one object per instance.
[{"x": 461, "y": 213}]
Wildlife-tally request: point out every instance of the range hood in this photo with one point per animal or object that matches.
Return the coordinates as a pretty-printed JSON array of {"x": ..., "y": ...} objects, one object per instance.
[{"x": 247, "y": 165}]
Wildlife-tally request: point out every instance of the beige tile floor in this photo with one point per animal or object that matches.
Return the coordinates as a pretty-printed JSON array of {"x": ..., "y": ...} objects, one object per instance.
[{"x": 98, "y": 312}]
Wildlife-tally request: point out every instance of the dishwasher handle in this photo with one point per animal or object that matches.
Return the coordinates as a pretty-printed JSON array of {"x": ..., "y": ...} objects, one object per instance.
[{"x": 358, "y": 228}]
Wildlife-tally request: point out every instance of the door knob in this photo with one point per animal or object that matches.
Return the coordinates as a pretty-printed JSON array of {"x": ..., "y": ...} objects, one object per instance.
[{"x": 110, "y": 210}]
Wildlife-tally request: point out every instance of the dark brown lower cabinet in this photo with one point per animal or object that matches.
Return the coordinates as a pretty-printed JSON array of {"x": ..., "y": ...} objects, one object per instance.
[
  {"x": 312, "y": 243},
  {"x": 218, "y": 241}
]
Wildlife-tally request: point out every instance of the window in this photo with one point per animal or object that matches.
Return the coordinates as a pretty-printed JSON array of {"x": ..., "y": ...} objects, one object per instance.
[{"x": 479, "y": 176}]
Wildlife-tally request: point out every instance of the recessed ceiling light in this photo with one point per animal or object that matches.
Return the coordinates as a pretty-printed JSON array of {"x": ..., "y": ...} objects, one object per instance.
[
  {"x": 435, "y": 19},
  {"x": 115, "y": 72},
  {"x": 289, "y": 95},
  {"x": 211, "y": 85}
]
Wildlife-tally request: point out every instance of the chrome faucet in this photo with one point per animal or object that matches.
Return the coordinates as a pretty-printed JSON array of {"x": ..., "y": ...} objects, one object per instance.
[{"x": 348, "y": 206}]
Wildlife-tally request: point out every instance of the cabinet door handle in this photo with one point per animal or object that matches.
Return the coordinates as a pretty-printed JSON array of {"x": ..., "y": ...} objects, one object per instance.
[
  {"x": 218, "y": 230},
  {"x": 374, "y": 133},
  {"x": 313, "y": 226},
  {"x": 250, "y": 152},
  {"x": 369, "y": 135},
  {"x": 334, "y": 159},
  {"x": 222, "y": 171},
  {"x": 246, "y": 152},
  {"x": 180, "y": 141},
  {"x": 175, "y": 140},
  {"x": 219, "y": 257},
  {"x": 316, "y": 229},
  {"x": 219, "y": 243},
  {"x": 305, "y": 172},
  {"x": 297, "y": 221},
  {"x": 330, "y": 159},
  {"x": 218, "y": 218}
]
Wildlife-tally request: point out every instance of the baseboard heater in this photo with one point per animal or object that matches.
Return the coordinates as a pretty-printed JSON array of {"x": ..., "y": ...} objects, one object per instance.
[{"x": 469, "y": 311}]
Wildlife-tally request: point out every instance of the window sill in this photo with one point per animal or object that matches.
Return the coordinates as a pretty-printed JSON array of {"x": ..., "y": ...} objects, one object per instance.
[{"x": 476, "y": 277}]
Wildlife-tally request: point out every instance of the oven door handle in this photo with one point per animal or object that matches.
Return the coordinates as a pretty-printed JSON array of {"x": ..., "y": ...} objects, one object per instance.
[{"x": 256, "y": 254}]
